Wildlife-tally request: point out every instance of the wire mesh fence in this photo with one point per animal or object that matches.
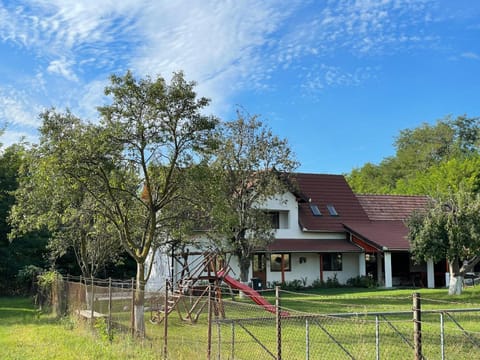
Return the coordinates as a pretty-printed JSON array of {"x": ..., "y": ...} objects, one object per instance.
[{"x": 216, "y": 323}]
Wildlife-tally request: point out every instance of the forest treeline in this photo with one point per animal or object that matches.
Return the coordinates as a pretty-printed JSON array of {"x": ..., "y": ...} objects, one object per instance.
[{"x": 431, "y": 159}]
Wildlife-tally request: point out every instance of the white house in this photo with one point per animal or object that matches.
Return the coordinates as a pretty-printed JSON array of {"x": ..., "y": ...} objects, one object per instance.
[{"x": 324, "y": 231}]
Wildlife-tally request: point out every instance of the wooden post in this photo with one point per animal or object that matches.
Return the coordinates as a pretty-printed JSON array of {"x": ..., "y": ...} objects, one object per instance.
[
  {"x": 417, "y": 326},
  {"x": 321, "y": 267},
  {"x": 110, "y": 337},
  {"x": 307, "y": 340},
  {"x": 80, "y": 291},
  {"x": 278, "y": 322},
  {"x": 132, "y": 312},
  {"x": 282, "y": 267},
  {"x": 209, "y": 342},
  {"x": 92, "y": 299}
]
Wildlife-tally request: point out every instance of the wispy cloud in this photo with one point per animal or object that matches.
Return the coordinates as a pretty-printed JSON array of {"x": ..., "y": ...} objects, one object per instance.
[
  {"x": 63, "y": 67},
  {"x": 470, "y": 55},
  {"x": 227, "y": 47},
  {"x": 17, "y": 109},
  {"x": 360, "y": 28},
  {"x": 11, "y": 137},
  {"x": 325, "y": 76}
]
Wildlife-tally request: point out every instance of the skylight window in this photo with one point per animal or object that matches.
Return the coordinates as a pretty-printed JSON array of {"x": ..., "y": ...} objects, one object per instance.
[
  {"x": 315, "y": 210},
  {"x": 332, "y": 211}
]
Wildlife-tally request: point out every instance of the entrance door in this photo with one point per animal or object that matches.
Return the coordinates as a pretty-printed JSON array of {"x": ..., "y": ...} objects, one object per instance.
[{"x": 260, "y": 268}]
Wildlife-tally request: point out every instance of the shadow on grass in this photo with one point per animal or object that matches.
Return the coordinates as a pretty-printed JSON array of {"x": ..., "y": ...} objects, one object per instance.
[{"x": 20, "y": 310}]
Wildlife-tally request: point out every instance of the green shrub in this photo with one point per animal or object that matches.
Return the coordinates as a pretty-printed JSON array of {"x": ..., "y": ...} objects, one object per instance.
[
  {"x": 361, "y": 282},
  {"x": 26, "y": 279},
  {"x": 332, "y": 282},
  {"x": 318, "y": 284},
  {"x": 102, "y": 327},
  {"x": 49, "y": 292},
  {"x": 293, "y": 285}
]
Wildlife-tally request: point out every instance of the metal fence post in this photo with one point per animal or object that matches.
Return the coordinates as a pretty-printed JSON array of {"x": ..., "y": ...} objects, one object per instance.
[
  {"x": 219, "y": 342},
  {"x": 233, "y": 340},
  {"x": 307, "y": 340},
  {"x": 442, "y": 336},
  {"x": 165, "y": 319},
  {"x": 377, "y": 338},
  {"x": 417, "y": 326},
  {"x": 278, "y": 322},
  {"x": 209, "y": 335}
]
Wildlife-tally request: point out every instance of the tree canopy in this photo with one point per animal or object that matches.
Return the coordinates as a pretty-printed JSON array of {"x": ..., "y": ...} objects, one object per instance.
[
  {"x": 133, "y": 164},
  {"x": 426, "y": 160},
  {"x": 448, "y": 229},
  {"x": 249, "y": 165},
  {"x": 27, "y": 251}
]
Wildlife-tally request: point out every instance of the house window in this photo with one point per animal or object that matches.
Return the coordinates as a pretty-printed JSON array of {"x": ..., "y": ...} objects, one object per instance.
[
  {"x": 274, "y": 219},
  {"x": 276, "y": 261},
  {"x": 332, "y": 211},
  {"x": 258, "y": 262},
  {"x": 332, "y": 262},
  {"x": 315, "y": 210}
]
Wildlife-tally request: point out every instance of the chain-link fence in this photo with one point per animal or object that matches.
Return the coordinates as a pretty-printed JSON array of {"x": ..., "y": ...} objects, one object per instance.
[
  {"x": 416, "y": 334},
  {"x": 207, "y": 321}
]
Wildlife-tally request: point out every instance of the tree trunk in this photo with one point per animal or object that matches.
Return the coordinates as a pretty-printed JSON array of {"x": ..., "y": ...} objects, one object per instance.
[
  {"x": 139, "y": 301},
  {"x": 456, "y": 278},
  {"x": 244, "y": 262}
]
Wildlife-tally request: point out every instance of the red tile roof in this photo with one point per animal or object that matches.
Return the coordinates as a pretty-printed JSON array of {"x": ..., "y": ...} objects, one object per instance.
[
  {"x": 377, "y": 219},
  {"x": 312, "y": 245},
  {"x": 391, "y": 207},
  {"x": 323, "y": 190},
  {"x": 390, "y": 234},
  {"x": 387, "y": 214}
]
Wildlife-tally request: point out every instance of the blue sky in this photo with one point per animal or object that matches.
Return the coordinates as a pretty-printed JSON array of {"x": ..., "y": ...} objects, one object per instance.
[{"x": 338, "y": 79}]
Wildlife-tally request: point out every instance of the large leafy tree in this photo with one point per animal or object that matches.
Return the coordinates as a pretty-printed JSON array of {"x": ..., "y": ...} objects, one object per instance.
[
  {"x": 449, "y": 229},
  {"x": 46, "y": 200},
  {"x": 28, "y": 250},
  {"x": 249, "y": 169},
  {"x": 418, "y": 152},
  {"x": 448, "y": 176},
  {"x": 134, "y": 163}
]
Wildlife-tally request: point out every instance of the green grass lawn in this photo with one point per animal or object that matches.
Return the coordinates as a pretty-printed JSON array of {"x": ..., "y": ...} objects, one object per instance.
[{"x": 27, "y": 334}]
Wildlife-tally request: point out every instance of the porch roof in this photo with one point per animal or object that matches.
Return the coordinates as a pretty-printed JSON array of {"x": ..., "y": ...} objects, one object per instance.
[
  {"x": 313, "y": 245},
  {"x": 388, "y": 234}
]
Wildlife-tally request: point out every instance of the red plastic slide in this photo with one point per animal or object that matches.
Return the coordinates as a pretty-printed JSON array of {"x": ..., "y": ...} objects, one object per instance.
[{"x": 252, "y": 294}]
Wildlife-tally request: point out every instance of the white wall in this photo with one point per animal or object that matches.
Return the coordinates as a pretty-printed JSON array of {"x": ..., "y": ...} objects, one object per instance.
[
  {"x": 310, "y": 269},
  {"x": 287, "y": 205},
  {"x": 160, "y": 270}
]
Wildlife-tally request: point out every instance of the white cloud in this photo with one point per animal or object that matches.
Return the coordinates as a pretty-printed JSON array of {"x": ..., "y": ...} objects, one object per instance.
[
  {"x": 470, "y": 55},
  {"x": 16, "y": 108},
  {"x": 226, "y": 47},
  {"x": 92, "y": 96},
  {"x": 63, "y": 67},
  {"x": 220, "y": 45},
  {"x": 324, "y": 76},
  {"x": 11, "y": 137}
]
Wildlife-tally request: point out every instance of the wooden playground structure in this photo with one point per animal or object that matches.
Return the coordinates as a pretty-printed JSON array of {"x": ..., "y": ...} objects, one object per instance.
[{"x": 198, "y": 284}]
